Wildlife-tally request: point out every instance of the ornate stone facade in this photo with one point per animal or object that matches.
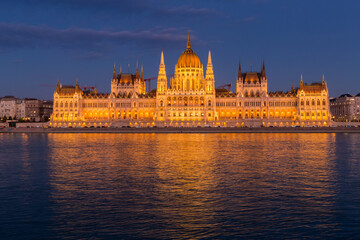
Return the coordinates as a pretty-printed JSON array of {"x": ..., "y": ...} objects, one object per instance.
[{"x": 191, "y": 100}]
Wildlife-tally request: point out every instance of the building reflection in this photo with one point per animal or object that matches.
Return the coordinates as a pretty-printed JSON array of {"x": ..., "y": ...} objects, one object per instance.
[{"x": 190, "y": 184}]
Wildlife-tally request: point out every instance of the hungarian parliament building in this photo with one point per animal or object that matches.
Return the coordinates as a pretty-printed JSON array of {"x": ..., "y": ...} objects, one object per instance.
[{"x": 191, "y": 100}]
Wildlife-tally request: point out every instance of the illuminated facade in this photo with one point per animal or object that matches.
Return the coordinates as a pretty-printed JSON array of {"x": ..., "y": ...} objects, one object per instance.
[{"x": 190, "y": 99}]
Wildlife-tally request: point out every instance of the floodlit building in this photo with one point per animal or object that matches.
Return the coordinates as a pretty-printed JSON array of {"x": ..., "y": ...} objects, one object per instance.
[
  {"x": 28, "y": 108},
  {"x": 189, "y": 99},
  {"x": 345, "y": 108}
]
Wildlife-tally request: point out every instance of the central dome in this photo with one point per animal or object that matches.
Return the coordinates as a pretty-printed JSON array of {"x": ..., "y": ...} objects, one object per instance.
[{"x": 188, "y": 58}]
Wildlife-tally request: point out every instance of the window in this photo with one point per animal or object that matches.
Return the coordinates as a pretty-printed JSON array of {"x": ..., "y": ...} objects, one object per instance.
[{"x": 209, "y": 103}]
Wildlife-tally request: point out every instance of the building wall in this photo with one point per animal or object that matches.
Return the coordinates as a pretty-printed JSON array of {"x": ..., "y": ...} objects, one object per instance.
[{"x": 345, "y": 108}]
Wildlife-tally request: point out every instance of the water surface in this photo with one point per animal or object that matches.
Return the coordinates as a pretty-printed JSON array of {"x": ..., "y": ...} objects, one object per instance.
[{"x": 161, "y": 186}]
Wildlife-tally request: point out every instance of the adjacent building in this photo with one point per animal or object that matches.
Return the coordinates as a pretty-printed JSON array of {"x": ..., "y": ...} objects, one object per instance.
[
  {"x": 345, "y": 108},
  {"x": 190, "y": 99},
  {"x": 29, "y": 108}
]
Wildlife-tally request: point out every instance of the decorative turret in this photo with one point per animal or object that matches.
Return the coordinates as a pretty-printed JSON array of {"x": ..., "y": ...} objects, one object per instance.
[
  {"x": 120, "y": 72},
  {"x": 292, "y": 87},
  {"x": 209, "y": 77},
  {"x": 95, "y": 89},
  {"x": 142, "y": 73},
  {"x": 323, "y": 81},
  {"x": 162, "y": 79},
  {"x": 77, "y": 88},
  {"x": 301, "y": 82},
  {"x": 137, "y": 70},
  {"x": 58, "y": 86},
  {"x": 114, "y": 74},
  {"x": 239, "y": 71},
  {"x": 263, "y": 69}
]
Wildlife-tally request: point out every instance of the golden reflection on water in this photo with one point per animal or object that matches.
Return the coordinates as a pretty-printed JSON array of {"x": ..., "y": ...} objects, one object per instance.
[{"x": 189, "y": 180}]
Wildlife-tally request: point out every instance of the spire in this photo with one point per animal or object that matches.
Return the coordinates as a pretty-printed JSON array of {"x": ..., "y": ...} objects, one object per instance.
[
  {"x": 77, "y": 88},
  {"x": 188, "y": 45},
  {"x": 137, "y": 70},
  {"x": 209, "y": 58},
  {"x": 263, "y": 68},
  {"x": 210, "y": 79},
  {"x": 114, "y": 74},
  {"x": 58, "y": 86},
  {"x": 301, "y": 82},
  {"x": 162, "y": 58},
  {"x": 142, "y": 73},
  {"x": 95, "y": 89},
  {"x": 120, "y": 70},
  {"x": 292, "y": 87},
  {"x": 162, "y": 79},
  {"x": 239, "y": 71}
]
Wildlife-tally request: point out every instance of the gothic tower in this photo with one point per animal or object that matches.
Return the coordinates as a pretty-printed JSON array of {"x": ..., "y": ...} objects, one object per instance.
[
  {"x": 209, "y": 78},
  {"x": 162, "y": 79}
]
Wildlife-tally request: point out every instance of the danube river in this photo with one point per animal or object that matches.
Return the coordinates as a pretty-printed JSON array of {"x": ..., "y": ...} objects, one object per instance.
[{"x": 180, "y": 186}]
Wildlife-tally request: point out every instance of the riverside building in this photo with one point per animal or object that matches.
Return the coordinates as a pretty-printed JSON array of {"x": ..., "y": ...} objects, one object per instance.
[{"x": 189, "y": 99}]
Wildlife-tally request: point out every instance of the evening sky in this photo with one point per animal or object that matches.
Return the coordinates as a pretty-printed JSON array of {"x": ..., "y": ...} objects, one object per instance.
[{"x": 45, "y": 40}]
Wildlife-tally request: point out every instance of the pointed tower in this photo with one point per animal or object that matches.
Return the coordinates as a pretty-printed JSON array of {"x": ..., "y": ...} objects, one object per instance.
[
  {"x": 209, "y": 77},
  {"x": 263, "y": 69},
  {"x": 137, "y": 71},
  {"x": 120, "y": 72},
  {"x": 114, "y": 73},
  {"x": 323, "y": 81},
  {"x": 77, "y": 88},
  {"x": 95, "y": 89},
  {"x": 58, "y": 86},
  {"x": 301, "y": 82},
  {"x": 162, "y": 79},
  {"x": 292, "y": 87},
  {"x": 239, "y": 71},
  {"x": 142, "y": 73},
  {"x": 239, "y": 83}
]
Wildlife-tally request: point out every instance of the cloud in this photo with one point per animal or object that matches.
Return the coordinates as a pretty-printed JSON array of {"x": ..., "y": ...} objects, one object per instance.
[
  {"x": 125, "y": 7},
  {"x": 93, "y": 42}
]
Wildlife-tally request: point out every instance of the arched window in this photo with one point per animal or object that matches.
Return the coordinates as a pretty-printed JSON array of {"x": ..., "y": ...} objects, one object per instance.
[
  {"x": 61, "y": 104},
  {"x": 240, "y": 104},
  {"x": 318, "y": 102},
  {"x": 251, "y": 94},
  {"x": 71, "y": 104},
  {"x": 56, "y": 104},
  {"x": 313, "y": 102},
  {"x": 324, "y": 102},
  {"x": 307, "y": 103},
  {"x": 161, "y": 103},
  {"x": 246, "y": 94},
  {"x": 302, "y": 103},
  {"x": 66, "y": 104},
  {"x": 209, "y": 103},
  {"x": 257, "y": 94},
  {"x": 202, "y": 101},
  {"x": 75, "y": 104},
  {"x": 169, "y": 101}
]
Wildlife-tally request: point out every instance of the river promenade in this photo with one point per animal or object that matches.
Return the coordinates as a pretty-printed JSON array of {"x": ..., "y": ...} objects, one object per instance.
[{"x": 186, "y": 130}]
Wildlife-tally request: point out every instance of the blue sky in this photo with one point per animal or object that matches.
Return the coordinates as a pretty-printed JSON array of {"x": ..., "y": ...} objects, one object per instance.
[{"x": 43, "y": 40}]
